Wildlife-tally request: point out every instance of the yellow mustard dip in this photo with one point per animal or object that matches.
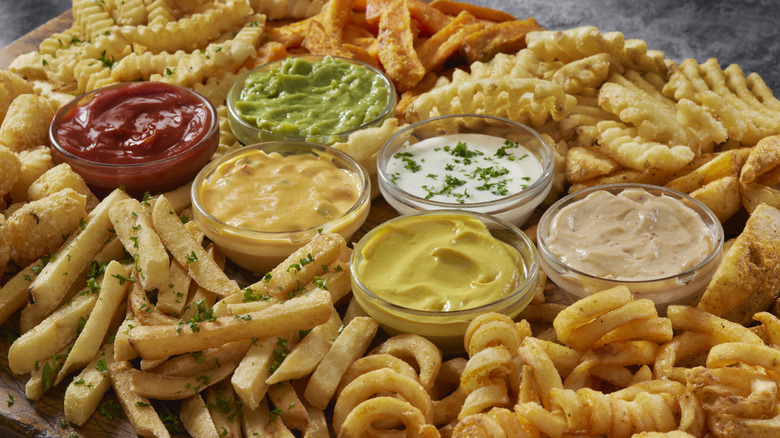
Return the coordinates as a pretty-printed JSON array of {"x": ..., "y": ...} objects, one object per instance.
[
  {"x": 272, "y": 192},
  {"x": 441, "y": 262}
]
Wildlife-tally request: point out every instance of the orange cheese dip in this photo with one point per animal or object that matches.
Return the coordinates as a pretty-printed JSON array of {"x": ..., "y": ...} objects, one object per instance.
[{"x": 272, "y": 192}]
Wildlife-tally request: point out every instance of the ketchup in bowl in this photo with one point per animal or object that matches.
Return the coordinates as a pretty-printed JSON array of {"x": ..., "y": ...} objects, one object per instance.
[{"x": 145, "y": 136}]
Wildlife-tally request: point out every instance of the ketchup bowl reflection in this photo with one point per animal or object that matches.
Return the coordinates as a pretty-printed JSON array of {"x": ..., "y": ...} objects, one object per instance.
[
  {"x": 431, "y": 273},
  {"x": 260, "y": 203},
  {"x": 660, "y": 243},
  {"x": 145, "y": 136}
]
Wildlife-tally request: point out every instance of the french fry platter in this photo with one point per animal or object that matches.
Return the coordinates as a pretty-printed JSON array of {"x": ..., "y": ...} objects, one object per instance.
[{"x": 604, "y": 100}]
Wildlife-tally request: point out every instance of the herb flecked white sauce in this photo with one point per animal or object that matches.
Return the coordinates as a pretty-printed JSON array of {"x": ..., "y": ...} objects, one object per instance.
[{"x": 463, "y": 168}]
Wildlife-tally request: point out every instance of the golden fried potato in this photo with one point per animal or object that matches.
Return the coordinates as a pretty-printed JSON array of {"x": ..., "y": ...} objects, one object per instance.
[
  {"x": 26, "y": 124},
  {"x": 748, "y": 278},
  {"x": 724, "y": 164},
  {"x": 35, "y": 162},
  {"x": 722, "y": 196},
  {"x": 754, "y": 194},
  {"x": 525, "y": 100},
  {"x": 10, "y": 170},
  {"x": 57, "y": 178},
  {"x": 5, "y": 244},
  {"x": 40, "y": 227},
  {"x": 584, "y": 163},
  {"x": 11, "y": 86},
  {"x": 628, "y": 147},
  {"x": 763, "y": 158}
]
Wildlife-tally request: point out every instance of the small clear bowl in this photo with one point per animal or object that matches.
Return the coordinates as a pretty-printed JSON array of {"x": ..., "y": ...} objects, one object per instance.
[
  {"x": 260, "y": 251},
  {"x": 152, "y": 176},
  {"x": 247, "y": 133},
  {"x": 515, "y": 208},
  {"x": 446, "y": 329},
  {"x": 682, "y": 288}
]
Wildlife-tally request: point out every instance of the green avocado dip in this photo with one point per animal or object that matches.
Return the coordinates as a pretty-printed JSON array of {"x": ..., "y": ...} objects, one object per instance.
[{"x": 305, "y": 98}]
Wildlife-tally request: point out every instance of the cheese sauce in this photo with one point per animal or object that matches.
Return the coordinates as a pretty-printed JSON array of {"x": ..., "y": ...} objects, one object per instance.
[
  {"x": 464, "y": 168},
  {"x": 272, "y": 192},
  {"x": 629, "y": 236}
]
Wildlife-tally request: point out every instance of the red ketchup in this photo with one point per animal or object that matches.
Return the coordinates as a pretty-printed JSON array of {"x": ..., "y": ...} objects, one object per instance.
[
  {"x": 146, "y": 136},
  {"x": 143, "y": 122}
]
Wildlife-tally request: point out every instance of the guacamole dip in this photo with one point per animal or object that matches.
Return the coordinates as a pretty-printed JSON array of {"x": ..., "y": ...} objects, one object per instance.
[{"x": 300, "y": 97}]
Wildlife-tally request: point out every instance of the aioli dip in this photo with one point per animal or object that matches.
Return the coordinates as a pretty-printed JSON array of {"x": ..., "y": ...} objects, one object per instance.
[
  {"x": 463, "y": 168},
  {"x": 273, "y": 192},
  {"x": 632, "y": 235},
  {"x": 304, "y": 98},
  {"x": 443, "y": 262}
]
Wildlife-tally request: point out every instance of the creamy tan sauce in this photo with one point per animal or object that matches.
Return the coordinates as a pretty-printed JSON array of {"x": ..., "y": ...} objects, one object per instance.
[
  {"x": 629, "y": 236},
  {"x": 271, "y": 192}
]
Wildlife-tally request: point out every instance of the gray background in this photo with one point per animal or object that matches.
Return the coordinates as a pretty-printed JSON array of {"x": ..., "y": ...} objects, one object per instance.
[{"x": 739, "y": 31}]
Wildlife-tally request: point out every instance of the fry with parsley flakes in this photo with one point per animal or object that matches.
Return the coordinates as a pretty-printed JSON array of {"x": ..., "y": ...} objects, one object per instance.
[
  {"x": 94, "y": 330},
  {"x": 51, "y": 335},
  {"x": 202, "y": 268},
  {"x": 300, "y": 313},
  {"x": 51, "y": 285},
  {"x": 86, "y": 390},
  {"x": 136, "y": 407},
  {"x": 133, "y": 225}
]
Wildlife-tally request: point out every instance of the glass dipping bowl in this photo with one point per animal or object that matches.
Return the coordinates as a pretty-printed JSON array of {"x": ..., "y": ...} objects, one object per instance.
[
  {"x": 260, "y": 251},
  {"x": 248, "y": 133},
  {"x": 155, "y": 176},
  {"x": 681, "y": 288},
  {"x": 446, "y": 328},
  {"x": 515, "y": 208}
]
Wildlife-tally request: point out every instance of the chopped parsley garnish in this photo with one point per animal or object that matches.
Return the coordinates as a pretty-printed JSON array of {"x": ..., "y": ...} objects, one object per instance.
[
  {"x": 279, "y": 353},
  {"x": 110, "y": 409}
]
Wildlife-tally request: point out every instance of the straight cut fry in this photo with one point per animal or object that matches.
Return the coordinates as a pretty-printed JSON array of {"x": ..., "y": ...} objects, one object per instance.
[
  {"x": 112, "y": 291},
  {"x": 141, "y": 414},
  {"x": 51, "y": 335},
  {"x": 350, "y": 345},
  {"x": 300, "y": 313},
  {"x": 133, "y": 225},
  {"x": 202, "y": 268},
  {"x": 51, "y": 285}
]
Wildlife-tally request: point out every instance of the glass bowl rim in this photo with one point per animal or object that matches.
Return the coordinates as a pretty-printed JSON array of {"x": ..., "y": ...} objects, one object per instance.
[
  {"x": 525, "y": 287},
  {"x": 547, "y": 256},
  {"x": 537, "y": 186},
  {"x": 300, "y": 147},
  {"x": 237, "y": 86},
  {"x": 205, "y": 141}
]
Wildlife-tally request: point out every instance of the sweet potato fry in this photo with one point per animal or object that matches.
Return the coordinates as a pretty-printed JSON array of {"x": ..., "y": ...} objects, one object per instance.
[
  {"x": 505, "y": 37},
  {"x": 429, "y": 19},
  {"x": 374, "y": 10},
  {"x": 451, "y": 7},
  {"x": 396, "y": 46},
  {"x": 270, "y": 51},
  {"x": 446, "y": 42},
  {"x": 337, "y": 14},
  {"x": 290, "y": 34},
  {"x": 319, "y": 41}
]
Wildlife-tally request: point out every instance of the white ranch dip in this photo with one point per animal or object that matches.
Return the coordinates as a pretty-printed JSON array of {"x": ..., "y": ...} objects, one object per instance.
[
  {"x": 629, "y": 236},
  {"x": 464, "y": 168}
]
